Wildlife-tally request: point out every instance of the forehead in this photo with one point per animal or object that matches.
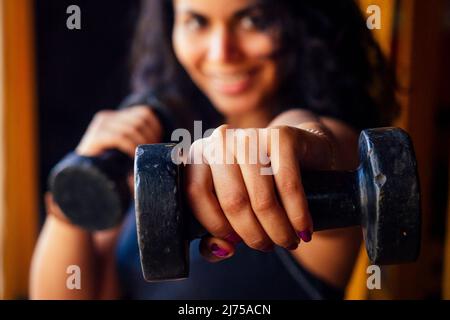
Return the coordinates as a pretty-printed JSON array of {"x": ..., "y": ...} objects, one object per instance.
[{"x": 213, "y": 8}]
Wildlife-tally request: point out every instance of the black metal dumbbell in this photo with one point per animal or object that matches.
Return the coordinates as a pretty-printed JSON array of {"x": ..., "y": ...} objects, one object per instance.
[
  {"x": 93, "y": 192},
  {"x": 382, "y": 196}
]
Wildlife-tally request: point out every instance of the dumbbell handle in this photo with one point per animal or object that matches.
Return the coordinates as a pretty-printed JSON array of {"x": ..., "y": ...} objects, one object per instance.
[{"x": 333, "y": 200}]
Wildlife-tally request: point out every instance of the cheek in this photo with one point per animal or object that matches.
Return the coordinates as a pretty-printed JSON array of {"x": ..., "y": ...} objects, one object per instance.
[
  {"x": 260, "y": 46},
  {"x": 187, "y": 54},
  {"x": 267, "y": 85},
  {"x": 271, "y": 75}
]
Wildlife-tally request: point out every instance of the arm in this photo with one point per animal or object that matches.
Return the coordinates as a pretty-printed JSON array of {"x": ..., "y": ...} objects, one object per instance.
[
  {"x": 332, "y": 254},
  {"x": 61, "y": 245},
  {"x": 234, "y": 201}
]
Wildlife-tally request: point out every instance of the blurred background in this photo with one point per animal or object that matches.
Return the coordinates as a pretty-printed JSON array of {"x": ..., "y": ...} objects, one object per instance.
[{"x": 53, "y": 80}]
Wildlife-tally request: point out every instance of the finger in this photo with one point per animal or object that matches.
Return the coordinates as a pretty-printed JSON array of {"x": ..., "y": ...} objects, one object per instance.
[
  {"x": 234, "y": 200},
  {"x": 284, "y": 151},
  {"x": 146, "y": 121},
  {"x": 203, "y": 202},
  {"x": 216, "y": 249},
  {"x": 147, "y": 113},
  {"x": 131, "y": 132},
  {"x": 138, "y": 124},
  {"x": 120, "y": 141},
  {"x": 261, "y": 190}
]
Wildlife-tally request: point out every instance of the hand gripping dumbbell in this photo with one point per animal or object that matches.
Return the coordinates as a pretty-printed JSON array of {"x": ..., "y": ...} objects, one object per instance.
[
  {"x": 93, "y": 192},
  {"x": 382, "y": 196}
]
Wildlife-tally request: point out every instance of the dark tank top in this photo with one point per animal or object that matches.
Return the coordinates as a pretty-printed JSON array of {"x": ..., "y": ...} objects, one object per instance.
[{"x": 249, "y": 275}]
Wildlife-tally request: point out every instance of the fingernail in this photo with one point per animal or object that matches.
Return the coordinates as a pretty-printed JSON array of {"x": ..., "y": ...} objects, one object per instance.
[
  {"x": 218, "y": 251},
  {"x": 305, "y": 235},
  {"x": 233, "y": 238}
]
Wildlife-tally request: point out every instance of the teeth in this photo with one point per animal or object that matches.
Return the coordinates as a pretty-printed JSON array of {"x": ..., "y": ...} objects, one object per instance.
[{"x": 231, "y": 78}]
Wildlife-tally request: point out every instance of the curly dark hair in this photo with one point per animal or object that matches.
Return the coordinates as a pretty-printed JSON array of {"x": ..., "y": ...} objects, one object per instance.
[{"x": 329, "y": 63}]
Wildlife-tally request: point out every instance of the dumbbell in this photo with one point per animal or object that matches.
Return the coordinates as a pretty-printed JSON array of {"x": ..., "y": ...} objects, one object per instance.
[
  {"x": 382, "y": 196},
  {"x": 93, "y": 192}
]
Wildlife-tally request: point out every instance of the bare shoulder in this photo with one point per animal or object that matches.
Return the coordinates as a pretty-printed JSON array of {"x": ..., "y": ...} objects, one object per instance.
[
  {"x": 294, "y": 117},
  {"x": 345, "y": 136},
  {"x": 341, "y": 130}
]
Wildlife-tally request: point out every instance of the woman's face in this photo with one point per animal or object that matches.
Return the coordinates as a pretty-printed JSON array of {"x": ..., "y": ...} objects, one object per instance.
[{"x": 228, "y": 48}]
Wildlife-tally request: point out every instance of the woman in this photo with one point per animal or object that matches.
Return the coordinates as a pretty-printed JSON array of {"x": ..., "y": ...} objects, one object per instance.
[{"x": 309, "y": 69}]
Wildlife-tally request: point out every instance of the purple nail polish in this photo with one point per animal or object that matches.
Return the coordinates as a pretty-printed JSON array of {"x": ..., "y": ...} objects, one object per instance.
[
  {"x": 233, "y": 238},
  {"x": 305, "y": 235},
  {"x": 219, "y": 252}
]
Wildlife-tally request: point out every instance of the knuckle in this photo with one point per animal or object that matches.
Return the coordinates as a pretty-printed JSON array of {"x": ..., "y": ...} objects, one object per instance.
[
  {"x": 219, "y": 230},
  {"x": 289, "y": 187},
  {"x": 132, "y": 130},
  {"x": 140, "y": 123},
  {"x": 122, "y": 135},
  {"x": 102, "y": 115},
  {"x": 263, "y": 204},
  {"x": 147, "y": 112},
  {"x": 234, "y": 203},
  {"x": 222, "y": 128},
  {"x": 195, "y": 153},
  {"x": 220, "y": 132},
  {"x": 198, "y": 144},
  {"x": 287, "y": 136}
]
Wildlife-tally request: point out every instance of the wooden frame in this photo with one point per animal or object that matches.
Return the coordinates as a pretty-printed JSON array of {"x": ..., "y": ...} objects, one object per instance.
[
  {"x": 18, "y": 208},
  {"x": 415, "y": 54}
]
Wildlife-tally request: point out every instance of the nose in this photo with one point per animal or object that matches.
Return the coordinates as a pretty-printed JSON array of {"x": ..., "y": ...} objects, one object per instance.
[{"x": 223, "y": 46}]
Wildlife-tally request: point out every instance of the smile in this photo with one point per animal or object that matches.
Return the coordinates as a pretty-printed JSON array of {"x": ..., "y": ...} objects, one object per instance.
[{"x": 231, "y": 83}]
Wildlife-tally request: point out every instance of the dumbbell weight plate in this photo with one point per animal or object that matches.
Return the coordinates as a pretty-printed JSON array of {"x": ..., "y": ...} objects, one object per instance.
[
  {"x": 92, "y": 191},
  {"x": 388, "y": 175}
]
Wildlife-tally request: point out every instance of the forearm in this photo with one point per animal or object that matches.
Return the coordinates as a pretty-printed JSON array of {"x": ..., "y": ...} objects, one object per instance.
[
  {"x": 331, "y": 254},
  {"x": 61, "y": 245},
  {"x": 329, "y": 143}
]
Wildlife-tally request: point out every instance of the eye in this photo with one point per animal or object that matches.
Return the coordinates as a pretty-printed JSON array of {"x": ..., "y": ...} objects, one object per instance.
[
  {"x": 195, "y": 23},
  {"x": 254, "y": 22}
]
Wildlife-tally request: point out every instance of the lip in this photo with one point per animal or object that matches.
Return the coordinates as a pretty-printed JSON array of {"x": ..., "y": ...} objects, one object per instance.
[{"x": 231, "y": 83}]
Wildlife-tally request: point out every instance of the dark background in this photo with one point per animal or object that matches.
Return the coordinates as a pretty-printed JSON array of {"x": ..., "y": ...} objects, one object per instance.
[{"x": 79, "y": 71}]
